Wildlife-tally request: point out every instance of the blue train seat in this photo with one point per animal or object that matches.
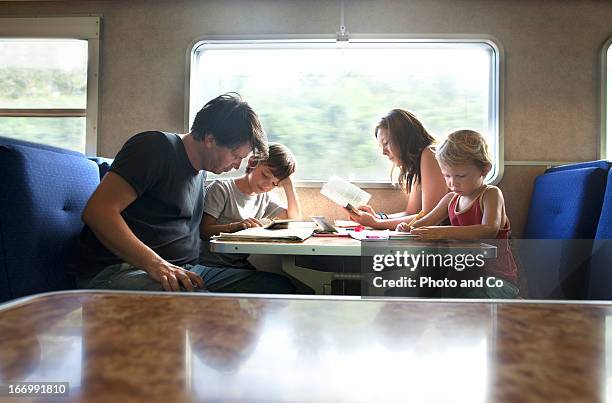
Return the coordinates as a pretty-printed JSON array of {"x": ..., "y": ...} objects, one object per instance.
[
  {"x": 561, "y": 224},
  {"x": 44, "y": 191}
]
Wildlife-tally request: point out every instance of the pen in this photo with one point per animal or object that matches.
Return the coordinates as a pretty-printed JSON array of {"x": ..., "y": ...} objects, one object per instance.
[{"x": 416, "y": 218}]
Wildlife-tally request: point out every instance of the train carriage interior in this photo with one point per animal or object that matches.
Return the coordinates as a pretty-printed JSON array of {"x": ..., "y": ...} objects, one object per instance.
[{"x": 140, "y": 140}]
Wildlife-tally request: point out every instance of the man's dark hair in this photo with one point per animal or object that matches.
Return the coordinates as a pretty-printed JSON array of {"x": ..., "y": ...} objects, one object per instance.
[{"x": 232, "y": 122}]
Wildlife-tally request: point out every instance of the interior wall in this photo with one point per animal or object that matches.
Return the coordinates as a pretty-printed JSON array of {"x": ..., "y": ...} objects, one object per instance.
[{"x": 552, "y": 50}]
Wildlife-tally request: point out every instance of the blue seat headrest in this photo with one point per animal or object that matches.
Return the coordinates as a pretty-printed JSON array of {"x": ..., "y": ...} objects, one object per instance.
[
  {"x": 565, "y": 204},
  {"x": 602, "y": 164}
]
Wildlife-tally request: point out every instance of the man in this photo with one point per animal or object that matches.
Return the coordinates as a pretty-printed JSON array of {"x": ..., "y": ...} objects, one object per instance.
[{"x": 142, "y": 222}]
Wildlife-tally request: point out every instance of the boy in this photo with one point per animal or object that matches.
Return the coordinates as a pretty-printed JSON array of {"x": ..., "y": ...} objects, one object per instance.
[{"x": 237, "y": 203}]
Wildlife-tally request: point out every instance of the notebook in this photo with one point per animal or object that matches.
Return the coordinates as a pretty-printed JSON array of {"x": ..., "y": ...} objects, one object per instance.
[{"x": 324, "y": 224}]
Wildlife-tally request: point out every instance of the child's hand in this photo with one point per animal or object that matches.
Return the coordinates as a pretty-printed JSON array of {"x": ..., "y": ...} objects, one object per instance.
[
  {"x": 403, "y": 227},
  {"x": 429, "y": 233},
  {"x": 247, "y": 223},
  {"x": 287, "y": 182}
]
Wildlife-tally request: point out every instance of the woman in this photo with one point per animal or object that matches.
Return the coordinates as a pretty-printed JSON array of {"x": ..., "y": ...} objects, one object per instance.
[{"x": 409, "y": 147}]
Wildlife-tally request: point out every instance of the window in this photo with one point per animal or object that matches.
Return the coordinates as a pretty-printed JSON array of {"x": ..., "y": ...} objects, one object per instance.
[
  {"x": 48, "y": 81},
  {"x": 606, "y": 134},
  {"x": 323, "y": 99}
]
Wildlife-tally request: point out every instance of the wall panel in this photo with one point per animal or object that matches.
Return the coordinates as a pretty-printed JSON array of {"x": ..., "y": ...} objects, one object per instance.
[{"x": 551, "y": 85}]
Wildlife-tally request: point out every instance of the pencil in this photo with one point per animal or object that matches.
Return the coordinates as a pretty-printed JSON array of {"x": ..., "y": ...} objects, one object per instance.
[{"x": 416, "y": 218}]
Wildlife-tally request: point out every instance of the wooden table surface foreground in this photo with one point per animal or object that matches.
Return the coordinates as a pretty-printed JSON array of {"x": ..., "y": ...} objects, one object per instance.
[{"x": 184, "y": 347}]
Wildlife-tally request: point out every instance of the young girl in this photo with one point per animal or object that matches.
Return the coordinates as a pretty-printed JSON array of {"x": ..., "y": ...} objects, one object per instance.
[
  {"x": 407, "y": 144},
  {"x": 475, "y": 210}
]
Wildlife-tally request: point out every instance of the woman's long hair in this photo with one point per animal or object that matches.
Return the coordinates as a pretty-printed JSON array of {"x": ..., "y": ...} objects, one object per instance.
[{"x": 410, "y": 138}]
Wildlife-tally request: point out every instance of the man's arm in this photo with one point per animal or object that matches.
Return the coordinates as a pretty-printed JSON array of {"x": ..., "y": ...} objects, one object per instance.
[{"x": 102, "y": 215}]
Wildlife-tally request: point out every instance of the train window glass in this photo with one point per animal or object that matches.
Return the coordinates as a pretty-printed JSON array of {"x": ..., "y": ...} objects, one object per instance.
[
  {"x": 48, "y": 81},
  {"x": 607, "y": 136},
  {"x": 323, "y": 99},
  {"x": 64, "y": 132},
  {"x": 43, "y": 74}
]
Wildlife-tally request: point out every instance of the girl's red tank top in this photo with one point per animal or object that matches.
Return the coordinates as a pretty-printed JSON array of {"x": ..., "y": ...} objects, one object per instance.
[{"x": 502, "y": 266}]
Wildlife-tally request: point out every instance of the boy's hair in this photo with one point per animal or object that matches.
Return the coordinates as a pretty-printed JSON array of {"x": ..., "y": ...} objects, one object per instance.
[
  {"x": 410, "y": 138},
  {"x": 465, "y": 146},
  {"x": 232, "y": 122},
  {"x": 280, "y": 160}
]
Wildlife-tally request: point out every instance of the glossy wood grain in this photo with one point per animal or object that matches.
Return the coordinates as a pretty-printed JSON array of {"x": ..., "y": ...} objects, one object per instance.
[{"x": 163, "y": 347}]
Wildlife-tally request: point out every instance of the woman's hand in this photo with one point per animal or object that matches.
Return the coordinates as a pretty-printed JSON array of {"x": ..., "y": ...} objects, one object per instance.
[
  {"x": 367, "y": 208},
  {"x": 363, "y": 218},
  {"x": 429, "y": 233}
]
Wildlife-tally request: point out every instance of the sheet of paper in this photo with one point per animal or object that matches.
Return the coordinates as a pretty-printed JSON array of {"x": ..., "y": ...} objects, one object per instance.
[
  {"x": 402, "y": 235},
  {"x": 342, "y": 192},
  {"x": 346, "y": 223},
  {"x": 381, "y": 235},
  {"x": 370, "y": 235}
]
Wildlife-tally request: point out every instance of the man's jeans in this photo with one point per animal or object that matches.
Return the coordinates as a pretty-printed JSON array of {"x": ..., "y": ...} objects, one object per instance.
[{"x": 124, "y": 276}]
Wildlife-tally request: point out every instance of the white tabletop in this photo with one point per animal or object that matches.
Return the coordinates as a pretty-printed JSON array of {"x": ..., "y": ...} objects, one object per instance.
[{"x": 344, "y": 246}]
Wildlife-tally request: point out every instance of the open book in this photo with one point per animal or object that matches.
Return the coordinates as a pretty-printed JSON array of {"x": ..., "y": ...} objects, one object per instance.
[
  {"x": 259, "y": 234},
  {"x": 344, "y": 193}
]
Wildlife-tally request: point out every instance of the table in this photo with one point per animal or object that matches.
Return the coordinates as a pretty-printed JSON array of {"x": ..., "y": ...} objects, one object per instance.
[
  {"x": 320, "y": 281},
  {"x": 163, "y": 347}
]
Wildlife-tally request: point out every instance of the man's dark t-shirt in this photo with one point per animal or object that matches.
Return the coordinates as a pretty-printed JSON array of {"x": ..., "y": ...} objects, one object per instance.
[{"x": 167, "y": 211}]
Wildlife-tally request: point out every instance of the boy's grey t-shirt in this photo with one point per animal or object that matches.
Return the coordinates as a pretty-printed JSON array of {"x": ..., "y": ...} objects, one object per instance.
[{"x": 228, "y": 204}]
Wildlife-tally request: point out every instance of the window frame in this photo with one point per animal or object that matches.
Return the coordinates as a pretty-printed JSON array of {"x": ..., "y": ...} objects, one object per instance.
[
  {"x": 83, "y": 28},
  {"x": 603, "y": 145},
  {"x": 496, "y": 85}
]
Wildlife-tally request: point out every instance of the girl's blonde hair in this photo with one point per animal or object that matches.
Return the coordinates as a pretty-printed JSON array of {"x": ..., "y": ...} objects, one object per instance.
[{"x": 465, "y": 146}]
